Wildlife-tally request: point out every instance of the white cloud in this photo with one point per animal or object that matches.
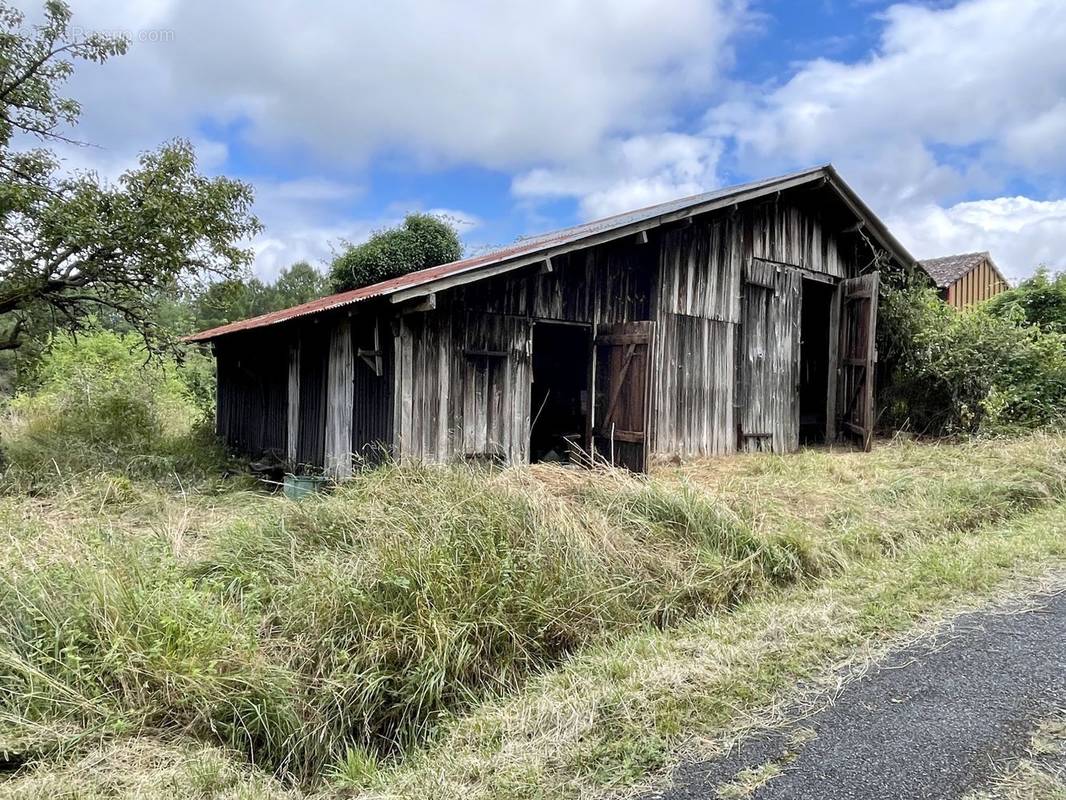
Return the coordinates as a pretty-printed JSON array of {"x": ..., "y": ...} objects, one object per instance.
[
  {"x": 579, "y": 99},
  {"x": 497, "y": 84},
  {"x": 305, "y": 220},
  {"x": 1021, "y": 233},
  {"x": 984, "y": 76},
  {"x": 337, "y": 84},
  {"x": 462, "y": 221},
  {"x": 954, "y": 103},
  {"x": 1036, "y": 143},
  {"x": 628, "y": 174}
]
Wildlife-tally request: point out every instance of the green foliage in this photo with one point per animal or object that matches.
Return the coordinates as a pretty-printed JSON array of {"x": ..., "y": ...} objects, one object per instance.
[
  {"x": 421, "y": 241},
  {"x": 36, "y": 64},
  {"x": 298, "y": 284},
  {"x": 954, "y": 372},
  {"x": 239, "y": 298},
  {"x": 100, "y": 402},
  {"x": 73, "y": 245},
  {"x": 1039, "y": 300}
]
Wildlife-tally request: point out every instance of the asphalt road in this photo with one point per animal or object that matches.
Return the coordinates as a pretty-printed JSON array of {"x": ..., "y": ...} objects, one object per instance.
[{"x": 935, "y": 720}]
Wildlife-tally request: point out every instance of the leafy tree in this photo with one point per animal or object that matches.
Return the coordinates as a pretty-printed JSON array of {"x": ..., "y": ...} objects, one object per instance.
[
  {"x": 98, "y": 401},
  {"x": 72, "y": 246},
  {"x": 421, "y": 241},
  {"x": 1039, "y": 300},
  {"x": 226, "y": 301},
  {"x": 298, "y": 284},
  {"x": 221, "y": 302}
]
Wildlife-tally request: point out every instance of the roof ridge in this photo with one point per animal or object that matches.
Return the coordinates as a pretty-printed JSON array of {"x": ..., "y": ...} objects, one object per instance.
[{"x": 526, "y": 250}]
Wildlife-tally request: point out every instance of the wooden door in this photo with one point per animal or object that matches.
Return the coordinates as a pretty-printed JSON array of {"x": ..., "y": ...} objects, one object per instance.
[
  {"x": 622, "y": 381},
  {"x": 858, "y": 357},
  {"x": 769, "y": 355}
]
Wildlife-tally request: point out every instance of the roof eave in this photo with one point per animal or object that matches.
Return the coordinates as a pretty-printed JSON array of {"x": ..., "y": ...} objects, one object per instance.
[
  {"x": 826, "y": 172},
  {"x": 476, "y": 272},
  {"x": 872, "y": 221}
]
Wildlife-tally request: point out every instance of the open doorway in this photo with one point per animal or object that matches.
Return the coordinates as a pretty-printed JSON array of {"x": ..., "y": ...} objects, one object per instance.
[
  {"x": 814, "y": 360},
  {"x": 559, "y": 407}
]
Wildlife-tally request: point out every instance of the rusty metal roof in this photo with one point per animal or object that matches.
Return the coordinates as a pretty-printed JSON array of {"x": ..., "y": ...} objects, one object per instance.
[
  {"x": 543, "y": 246},
  {"x": 948, "y": 269}
]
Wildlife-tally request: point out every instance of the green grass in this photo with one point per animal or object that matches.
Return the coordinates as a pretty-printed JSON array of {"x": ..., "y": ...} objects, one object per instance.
[
  {"x": 619, "y": 716},
  {"x": 455, "y": 632}
]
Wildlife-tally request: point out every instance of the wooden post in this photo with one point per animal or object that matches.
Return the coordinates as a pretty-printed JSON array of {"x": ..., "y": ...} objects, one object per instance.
[{"x": 339, "y": 402}]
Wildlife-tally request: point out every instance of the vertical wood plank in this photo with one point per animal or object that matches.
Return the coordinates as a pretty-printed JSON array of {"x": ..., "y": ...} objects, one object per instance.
[
  {"x": 339, "y": 377},
  {"x": 293, "y": 409},
  {"x": 404, "y": 392}
]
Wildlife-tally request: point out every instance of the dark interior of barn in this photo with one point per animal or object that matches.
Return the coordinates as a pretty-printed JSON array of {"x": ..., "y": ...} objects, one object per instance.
[
  {"x": 560, "y": 397},
  {"x": 814, "y": 360}
]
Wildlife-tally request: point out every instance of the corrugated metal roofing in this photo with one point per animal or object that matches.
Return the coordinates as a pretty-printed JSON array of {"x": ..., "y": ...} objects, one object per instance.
[
  {"x": 948, "y": 269},
  {"x": 545, "y": 243}
]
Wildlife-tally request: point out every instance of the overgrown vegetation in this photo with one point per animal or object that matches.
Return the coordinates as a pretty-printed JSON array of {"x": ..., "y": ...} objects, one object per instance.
[
  {"x": 1039, "y": 300},
  {"x": 99, "y": 402},
  {"x": 325, "y": 640},
  {"x": 616, "y": 718},
  {"x": 982, "y": 370},
  {"x": 422, "y": 241}
]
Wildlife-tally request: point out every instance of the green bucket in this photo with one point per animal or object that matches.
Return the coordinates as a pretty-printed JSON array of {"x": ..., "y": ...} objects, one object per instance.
[{"x": 297, "y": 487}]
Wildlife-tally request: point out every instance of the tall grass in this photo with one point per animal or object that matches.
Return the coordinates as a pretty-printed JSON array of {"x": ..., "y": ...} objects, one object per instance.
[
  {"x": 321, "y": 637},
  {"x": 100, "y": 403}
]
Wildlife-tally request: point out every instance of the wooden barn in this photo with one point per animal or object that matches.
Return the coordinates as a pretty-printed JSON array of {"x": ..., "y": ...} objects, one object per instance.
[
  {"x": 966, "y": 279},
  {"x": 738, "y": 320}
]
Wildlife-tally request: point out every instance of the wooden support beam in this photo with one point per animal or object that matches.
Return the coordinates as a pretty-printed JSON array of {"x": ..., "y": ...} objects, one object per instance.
[
  {"x": 472, "y": 275},
  {"x": 546, "y": 267},
  {"x": 634, "y": 437},
  {"x": 642, "y": 237},
  {"x": 372, "y": 359},
  {"x": 427, "y": 303}
]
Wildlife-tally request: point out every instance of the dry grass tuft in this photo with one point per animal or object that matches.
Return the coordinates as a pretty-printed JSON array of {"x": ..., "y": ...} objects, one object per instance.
[
  {"x": 1041, "y": 774},
  {"x": 147, "y": 769}
]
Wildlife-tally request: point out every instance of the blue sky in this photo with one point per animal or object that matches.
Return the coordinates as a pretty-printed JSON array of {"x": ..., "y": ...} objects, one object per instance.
[{"x": 518, "y": 117}]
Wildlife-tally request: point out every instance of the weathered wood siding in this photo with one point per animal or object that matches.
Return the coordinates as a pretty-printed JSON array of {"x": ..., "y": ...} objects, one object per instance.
[
  {"x": 977, "y": 285},
  {"x": 339, "y": 402},
  {"x": 701, "y": 266},
  {"x": 694, "y": 394},
  {"x": 606, "y": 284},
  {"x": 373, "y": 382},
  {"x": 789, "y": 233},
  {"x": 314, "y": 360},
  {"x": 463, "y": 386},
  {"x": 293, "y": 395},
  {"x": 701, "y": 332},
  {"x": 463, "y": 374},
  {"x": 252, "y": 398},
  {"x": 769, "y": 359}
]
